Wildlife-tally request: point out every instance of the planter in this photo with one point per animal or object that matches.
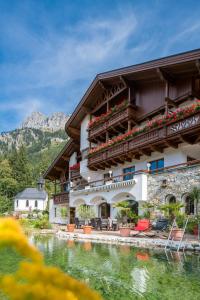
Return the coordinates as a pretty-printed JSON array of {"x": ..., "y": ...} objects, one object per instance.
[
  {"x": 70, "y": 227},
  {"x": 177, "y": 234},
  {"x": 195, "y": 230},
  {"x": 87, "y": 229},
  {"x": 125, "y": 231}
]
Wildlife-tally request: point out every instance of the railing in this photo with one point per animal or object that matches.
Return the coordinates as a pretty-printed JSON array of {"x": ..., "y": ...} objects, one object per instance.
[
  {"x": 147, "y": 139},
  {"x": 125, "y": 178},
  {"x": 61, "y": 198},
  {"x": 113, "y": 181},
  {"x": 120, "y": 116},
  {"x": 75, "y": 174}
]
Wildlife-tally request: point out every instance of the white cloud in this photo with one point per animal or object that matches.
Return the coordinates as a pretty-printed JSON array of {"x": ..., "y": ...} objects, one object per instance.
[
  {"x": 189, "y": 30},
  {"x": 76, "y": 54}
]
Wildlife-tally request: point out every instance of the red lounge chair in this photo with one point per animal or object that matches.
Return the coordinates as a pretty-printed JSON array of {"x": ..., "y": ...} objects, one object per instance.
[{"x": 142, "y": 225}]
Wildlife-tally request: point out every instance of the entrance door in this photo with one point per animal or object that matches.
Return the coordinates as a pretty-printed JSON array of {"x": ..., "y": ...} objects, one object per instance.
[
  {"x": 104, "y": 210},
  {"x": 72, "y": 214}
]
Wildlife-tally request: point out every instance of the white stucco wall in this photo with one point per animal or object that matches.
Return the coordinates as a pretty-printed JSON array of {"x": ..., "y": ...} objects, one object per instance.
[
  {"x": 84, "y": 143},
  {"x": 73, "y": 159},
  {"x": 55, "y": 215},
  {"x": 42, "y": 204}
]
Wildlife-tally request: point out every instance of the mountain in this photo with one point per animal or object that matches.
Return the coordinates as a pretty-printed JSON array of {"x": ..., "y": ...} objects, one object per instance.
[
  {"x": 37, "y": 133},
  {"x": 40, "y": 121}
]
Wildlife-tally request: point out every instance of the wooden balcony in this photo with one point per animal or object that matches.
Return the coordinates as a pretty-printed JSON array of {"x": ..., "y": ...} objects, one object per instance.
[
  {"x": 75, "y": 174},
  {"x": 115, "y": 121},
  {"x": 186, "y": 130},
  {"x": 61, "y": 198}
]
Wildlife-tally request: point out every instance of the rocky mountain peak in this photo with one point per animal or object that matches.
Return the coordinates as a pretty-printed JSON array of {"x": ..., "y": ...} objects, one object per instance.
[{"x": 37, "y": 120}]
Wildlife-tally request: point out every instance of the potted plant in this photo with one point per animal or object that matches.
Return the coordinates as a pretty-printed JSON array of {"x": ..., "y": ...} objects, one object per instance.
[
  {"x": 86, "y": 212},
  {"x": 172, "y": 210},
  {"x": 195, "y": 196},
  {"x": 124, "y": 214},
  {"x": 64, "y": 214}
]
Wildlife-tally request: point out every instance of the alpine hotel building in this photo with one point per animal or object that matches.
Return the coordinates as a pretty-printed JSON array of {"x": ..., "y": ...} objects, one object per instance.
[{"x": 135, "y": 135}]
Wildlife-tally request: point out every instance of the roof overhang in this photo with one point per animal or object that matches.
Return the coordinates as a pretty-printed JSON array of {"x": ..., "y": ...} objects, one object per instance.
[
  {"x": 177, "y": 65},
  {"x": 61, "y": 162}
]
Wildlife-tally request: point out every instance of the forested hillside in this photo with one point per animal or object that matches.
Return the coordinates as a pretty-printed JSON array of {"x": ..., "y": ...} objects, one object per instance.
[{"x": 25, "y": 154}]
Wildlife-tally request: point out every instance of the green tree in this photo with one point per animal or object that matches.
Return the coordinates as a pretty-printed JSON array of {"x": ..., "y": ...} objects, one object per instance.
[
  {"x": 21, "y": 168},
  {"x": 195, "y": 196},
  {"x": 8, "y": 186}
]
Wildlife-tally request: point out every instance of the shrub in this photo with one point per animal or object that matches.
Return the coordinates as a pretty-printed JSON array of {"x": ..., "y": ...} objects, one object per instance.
[{"x": 42, "y": 223}]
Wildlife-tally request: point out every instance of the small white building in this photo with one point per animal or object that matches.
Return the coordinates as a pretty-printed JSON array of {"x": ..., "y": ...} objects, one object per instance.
[{"x": 31, "y": 199}]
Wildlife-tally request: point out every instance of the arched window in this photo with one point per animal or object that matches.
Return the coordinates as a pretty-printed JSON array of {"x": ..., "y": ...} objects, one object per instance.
[
  {"x": 36, "y": 203},
  {"x": 172, "y": 199},
  {"x": 27, "y": 203},
  {"x": 189, "y": 206}
]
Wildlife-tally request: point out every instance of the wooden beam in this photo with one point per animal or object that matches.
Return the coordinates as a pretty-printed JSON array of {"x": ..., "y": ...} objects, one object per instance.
[
  {"x": 185, "y": 139},
  {"x": 124, "y": 81},
  {"x": 137, "y": 156},
  {"x": 58, "y": 169},
  {"x": 165, "y": 76},
  {"x": 65, "y": 157},
  {"x": 102, "y": 85},
  {"x": 156, "y": 148},
  {"x": 197, "y": 140},
  {"x": 170, "y": 102},
  {"x": 171, "y": 144},
  {"x": 197, "y": 63},
  {"x": 144, "y": 152},
  {"x": 74, "y": 131}
]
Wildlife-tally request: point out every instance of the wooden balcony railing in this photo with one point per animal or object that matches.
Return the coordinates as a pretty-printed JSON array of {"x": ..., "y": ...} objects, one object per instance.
[
  {"x": 119, "y": 117},
  {"x": 75, "y": 174},
  {"x": 186, "y": 130},
  {"x": 61, "y": 198}
]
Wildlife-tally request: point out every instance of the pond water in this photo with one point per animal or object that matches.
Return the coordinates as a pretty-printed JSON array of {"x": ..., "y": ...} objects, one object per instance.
[{"x": 120, "y": 272}]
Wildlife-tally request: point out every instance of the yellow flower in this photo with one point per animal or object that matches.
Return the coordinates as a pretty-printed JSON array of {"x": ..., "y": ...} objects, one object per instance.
[{"x": 34, "y": 280}]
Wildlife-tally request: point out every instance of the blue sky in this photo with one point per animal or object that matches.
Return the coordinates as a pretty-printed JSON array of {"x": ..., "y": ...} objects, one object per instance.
[{"x": 50, "y": 50}]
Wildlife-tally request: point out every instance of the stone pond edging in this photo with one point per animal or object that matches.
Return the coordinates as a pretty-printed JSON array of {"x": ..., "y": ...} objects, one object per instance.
[{"x": 140, "y": 242}]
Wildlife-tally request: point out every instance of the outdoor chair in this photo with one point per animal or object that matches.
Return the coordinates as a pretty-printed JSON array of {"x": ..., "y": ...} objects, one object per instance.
[
  {"x": 114, "y": 224},
  {"x": 76, "y": 222},
  {"x": 143, "y": 225},
  {"x": 161, "y": 225},
  {"x": 104, "y": 224}
]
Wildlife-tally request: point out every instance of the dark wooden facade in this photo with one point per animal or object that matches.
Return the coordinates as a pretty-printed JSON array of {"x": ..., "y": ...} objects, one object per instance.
[{"x": 151, "y": 89}]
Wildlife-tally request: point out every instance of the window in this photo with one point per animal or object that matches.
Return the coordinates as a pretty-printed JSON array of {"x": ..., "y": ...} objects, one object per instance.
[
  {"x": 36, "y": 203},
  {"x": 157, "y": 164},
  {"x": 189, "y": 206},
  {"x": 27, "y": 203},
  {"x": 106, "y": 177},
  {"x": 128, "y": 170},
  {"x": 55, "y": 212},
  {"x": 17, "y": 203}
]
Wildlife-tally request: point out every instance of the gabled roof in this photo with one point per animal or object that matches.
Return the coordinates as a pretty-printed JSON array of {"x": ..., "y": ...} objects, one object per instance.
[
  {"x": 32, "y": 194},
  {"x": 177, "y": 64}
]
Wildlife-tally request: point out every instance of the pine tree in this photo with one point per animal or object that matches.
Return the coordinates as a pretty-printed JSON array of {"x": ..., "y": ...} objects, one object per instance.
[{"x": 21, "y": 168}]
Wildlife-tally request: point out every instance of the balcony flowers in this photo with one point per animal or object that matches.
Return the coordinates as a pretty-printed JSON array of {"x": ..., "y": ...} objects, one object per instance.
[
  {"x": 103, "y": 117},
  {"x": 75, "y": 167},
  {"x": 178, "y": 114}
]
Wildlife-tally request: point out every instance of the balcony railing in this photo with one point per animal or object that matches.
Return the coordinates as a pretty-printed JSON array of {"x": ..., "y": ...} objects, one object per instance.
[
  {"x": 119, "y": 117},
  {"x": 145, "y": 143},
  {"x": 75, "y": 174},
  {"x": 61, "y": 198},
  {"x": 113, "y": 182}
]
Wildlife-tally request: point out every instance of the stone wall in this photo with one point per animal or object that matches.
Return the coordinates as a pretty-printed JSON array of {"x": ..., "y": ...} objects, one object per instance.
[{"x": 177, "y": 182}]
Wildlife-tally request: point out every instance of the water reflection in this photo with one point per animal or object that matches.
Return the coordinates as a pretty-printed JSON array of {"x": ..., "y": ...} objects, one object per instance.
[{"x": 124, "y": 272}]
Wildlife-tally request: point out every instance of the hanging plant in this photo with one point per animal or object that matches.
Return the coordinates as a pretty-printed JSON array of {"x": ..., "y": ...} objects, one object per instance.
[
  {"x": 103, "y": 117},
  {"x": 155, "y": 123}
]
